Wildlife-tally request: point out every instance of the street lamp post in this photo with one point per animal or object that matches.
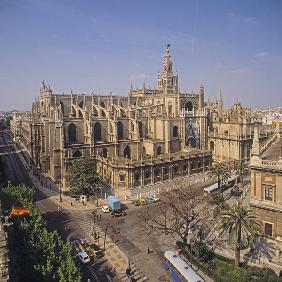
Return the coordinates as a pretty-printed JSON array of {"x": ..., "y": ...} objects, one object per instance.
[
  {"x": 94, "y": 223},
  {"x": 60, "y": 191}
]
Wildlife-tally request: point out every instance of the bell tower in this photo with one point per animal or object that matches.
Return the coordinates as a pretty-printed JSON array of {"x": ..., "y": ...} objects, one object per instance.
[{"x": 168, "y": 80}]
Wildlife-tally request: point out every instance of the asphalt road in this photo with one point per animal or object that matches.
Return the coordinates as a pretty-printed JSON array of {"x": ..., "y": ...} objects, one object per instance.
[
  {"x": 13, "y": 170},
  {"x": 11, "y": 166}
]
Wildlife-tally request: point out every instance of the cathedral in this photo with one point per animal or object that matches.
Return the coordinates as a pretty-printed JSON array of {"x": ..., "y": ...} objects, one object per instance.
[{"x": 146, "y": 137}]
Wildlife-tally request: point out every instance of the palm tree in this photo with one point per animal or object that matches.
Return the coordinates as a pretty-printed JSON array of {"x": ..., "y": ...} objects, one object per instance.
[
  {"x": 240, "y": 168},
  {"x": 239, "y": 222},
  {"x": 221, "y": 172}
]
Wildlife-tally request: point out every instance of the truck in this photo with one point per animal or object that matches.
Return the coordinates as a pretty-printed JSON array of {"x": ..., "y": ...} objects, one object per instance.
[{"x": 114, "y": 203}]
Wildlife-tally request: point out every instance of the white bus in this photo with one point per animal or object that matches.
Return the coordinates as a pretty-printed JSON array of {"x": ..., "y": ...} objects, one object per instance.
[
  {"x": 213, "y": 188},
  {"x": 179, "y": 270}
]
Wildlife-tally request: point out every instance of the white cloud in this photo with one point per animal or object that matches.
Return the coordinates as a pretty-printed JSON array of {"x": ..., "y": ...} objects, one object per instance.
[
  {"x": 262, "y": 54},
  {"x": 240, "y": 70}
]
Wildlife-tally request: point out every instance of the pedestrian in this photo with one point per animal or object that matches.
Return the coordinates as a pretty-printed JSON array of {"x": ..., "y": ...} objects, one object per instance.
[
  {"x": 148, "y": 250},
  {"x": 58, "y": 208},
  {"x": 71, "y": 203}
]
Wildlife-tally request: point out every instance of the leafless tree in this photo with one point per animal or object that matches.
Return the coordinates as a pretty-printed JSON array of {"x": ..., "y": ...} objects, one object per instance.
[{"x": 183, "y": 213}]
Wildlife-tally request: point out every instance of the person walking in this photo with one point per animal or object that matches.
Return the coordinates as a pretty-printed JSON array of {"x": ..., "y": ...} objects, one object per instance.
[{"x": 58, "y": 208}]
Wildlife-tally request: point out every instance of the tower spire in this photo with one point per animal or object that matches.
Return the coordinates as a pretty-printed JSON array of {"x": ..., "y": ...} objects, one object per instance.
[
  {"x": 167, "y": 80},
  {"x": 167, "y": 60}
]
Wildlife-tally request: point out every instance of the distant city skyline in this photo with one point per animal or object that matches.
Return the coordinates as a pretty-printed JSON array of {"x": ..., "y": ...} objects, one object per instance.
[{"x": 104, "y": 46}]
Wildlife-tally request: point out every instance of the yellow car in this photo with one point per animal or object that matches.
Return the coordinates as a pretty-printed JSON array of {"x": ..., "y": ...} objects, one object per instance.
[{"x": 143, "y": 201}]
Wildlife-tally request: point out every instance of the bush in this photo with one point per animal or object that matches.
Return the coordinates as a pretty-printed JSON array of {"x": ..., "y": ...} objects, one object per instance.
[{"x": 222, "y": 269}]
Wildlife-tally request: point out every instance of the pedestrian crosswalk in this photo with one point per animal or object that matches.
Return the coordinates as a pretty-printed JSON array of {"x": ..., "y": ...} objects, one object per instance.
[
  {"x": 85, "y": 221},
  {"x": 135, "y": 274}
]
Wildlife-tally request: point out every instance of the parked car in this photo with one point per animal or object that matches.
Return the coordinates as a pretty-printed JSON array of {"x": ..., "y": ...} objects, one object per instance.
[
  {"x": 94, "y": 250},
  {"x": 83, "y": 257},
  {"x": 155, "y": 198},
  {"x": 143, "y": 201},
  {"x": 149, "y": 199},
  {"x": 118, "y": 213},
  {"x": 136, "y": 203},
  {"x": 106, "y": 209}
]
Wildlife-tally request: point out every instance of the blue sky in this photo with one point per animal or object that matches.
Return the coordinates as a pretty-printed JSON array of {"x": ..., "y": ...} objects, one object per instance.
[{"x": 101, "y": 46}]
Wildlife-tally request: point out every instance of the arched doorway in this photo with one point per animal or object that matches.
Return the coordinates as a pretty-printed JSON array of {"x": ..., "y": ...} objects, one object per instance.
[
  {"x": 126, "y": 152},
  {"x": 72, "y": 133},
  {"x": 97, "y": 131},
  {"x": 120, "y": 130},
  {"x": 189, "y": 106}
]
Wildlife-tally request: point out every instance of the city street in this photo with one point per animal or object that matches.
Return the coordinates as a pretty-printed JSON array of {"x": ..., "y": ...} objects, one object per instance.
[
  {"x": 66, "y": 223},
  {"x": 125, "y": 232}
]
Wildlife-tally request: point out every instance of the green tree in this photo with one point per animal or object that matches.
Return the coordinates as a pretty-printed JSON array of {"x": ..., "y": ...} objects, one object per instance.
[
  {"x": 240, "y": 224},
  {"x": 82, "y": 176},
  {"x": 51, "y": 258},
  {"x": 240, "y": 168},
  {"x": 221, "y": 172}
]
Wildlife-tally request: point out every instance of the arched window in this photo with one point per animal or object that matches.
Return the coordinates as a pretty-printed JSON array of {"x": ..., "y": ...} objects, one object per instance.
[
  {"x": 159, "y": 150},
  {"x": 120, "y": 130},
  {"x": 188, "y": 106},
  {"x": 103, "y": 105},
  {"x": 140, "y": 127},
  {"x": 212, "y": 146},
  {"x": 126, "y": 152},
  {"x": 132, "y": 126},
  {"x": 97, "y": 131},
  {"x": 175, "y": 131},
  {"x": 77, "y": 154},
  {"x": 104, "y": 153},
  {"x": 81, "y": 104},
  {"x": 72, "y": 133}
]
